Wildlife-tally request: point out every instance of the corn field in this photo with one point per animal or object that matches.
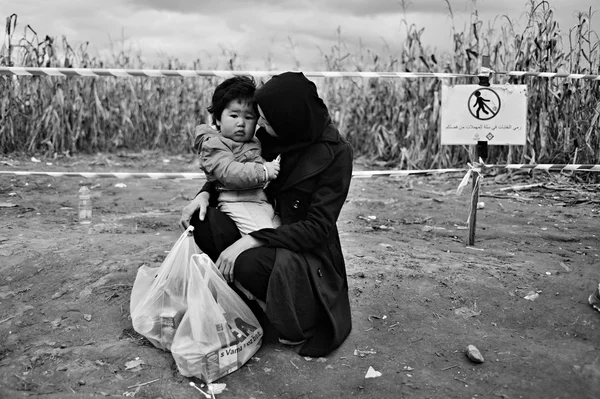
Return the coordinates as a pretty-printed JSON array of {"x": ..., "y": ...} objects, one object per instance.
[{"x": 396, "y": 121}]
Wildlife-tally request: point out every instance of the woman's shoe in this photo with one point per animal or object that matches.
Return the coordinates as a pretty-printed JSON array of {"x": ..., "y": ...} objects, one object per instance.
[
  {"x": 594, "y": 299},
  {"x": 286, "y": 341}
]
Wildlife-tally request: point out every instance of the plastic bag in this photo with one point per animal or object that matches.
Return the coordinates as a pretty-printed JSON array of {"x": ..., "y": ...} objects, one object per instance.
[
  {"x": 159, "y": 295},
  {"x": 219, "y": 332}
]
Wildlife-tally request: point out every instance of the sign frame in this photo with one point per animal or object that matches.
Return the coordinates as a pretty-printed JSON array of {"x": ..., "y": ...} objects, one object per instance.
[{"x": 472, "y": 113}]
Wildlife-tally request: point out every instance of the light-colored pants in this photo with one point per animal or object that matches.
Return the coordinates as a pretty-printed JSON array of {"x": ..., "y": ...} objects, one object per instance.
[{"x": 249, "y": 209}]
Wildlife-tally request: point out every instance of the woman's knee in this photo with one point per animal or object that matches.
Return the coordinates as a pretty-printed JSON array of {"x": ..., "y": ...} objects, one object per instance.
[{"x": 253, "y": 269}]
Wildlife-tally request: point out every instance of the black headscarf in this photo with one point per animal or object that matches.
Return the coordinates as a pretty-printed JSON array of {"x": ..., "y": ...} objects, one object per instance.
[{"x": 294, "y": 110}]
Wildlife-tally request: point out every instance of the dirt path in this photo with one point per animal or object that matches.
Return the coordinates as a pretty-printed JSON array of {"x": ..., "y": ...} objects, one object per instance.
[{"x": 419, "y": 295}]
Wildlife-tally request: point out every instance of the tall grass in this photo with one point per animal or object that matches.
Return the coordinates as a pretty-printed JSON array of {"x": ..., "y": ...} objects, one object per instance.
[
  {"x": 55, "y": 115},
  {"x": 392, "y": 120}
]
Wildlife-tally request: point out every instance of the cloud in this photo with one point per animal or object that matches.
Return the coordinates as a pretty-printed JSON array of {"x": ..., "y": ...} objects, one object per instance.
[
  {"x": 399, "y": 7},
  {"x": 220, "y": 8}
]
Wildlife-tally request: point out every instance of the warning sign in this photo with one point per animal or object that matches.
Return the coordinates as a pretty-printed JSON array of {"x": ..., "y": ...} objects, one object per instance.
[{"x": 472, "y": 113}]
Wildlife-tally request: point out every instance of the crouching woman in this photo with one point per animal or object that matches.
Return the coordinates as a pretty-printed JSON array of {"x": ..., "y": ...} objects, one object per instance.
[{"x": 297, "y": 270}]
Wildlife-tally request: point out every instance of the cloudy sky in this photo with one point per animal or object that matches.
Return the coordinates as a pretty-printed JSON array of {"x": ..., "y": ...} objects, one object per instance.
[{"x": 264, "y": 34}]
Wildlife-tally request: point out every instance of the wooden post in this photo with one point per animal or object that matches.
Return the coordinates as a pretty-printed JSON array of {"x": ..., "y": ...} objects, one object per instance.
[{"x": 480, "y": 152}]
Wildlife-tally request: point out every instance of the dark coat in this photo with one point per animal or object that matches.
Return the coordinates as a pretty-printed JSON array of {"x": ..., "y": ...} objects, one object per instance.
[
  {"x": 307, "y": 288},
  {"x": 309, "y": 254}
]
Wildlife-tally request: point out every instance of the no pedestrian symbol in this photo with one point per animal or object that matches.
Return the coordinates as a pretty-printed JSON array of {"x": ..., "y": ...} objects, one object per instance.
[{"x": 484, "y": 104}]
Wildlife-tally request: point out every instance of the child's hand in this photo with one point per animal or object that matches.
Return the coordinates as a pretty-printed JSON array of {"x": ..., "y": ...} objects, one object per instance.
[{"x": 272, "y": 170}]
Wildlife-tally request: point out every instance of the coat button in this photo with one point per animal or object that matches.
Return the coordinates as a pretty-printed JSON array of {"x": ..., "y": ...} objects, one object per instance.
[
  {"x": 320, "y": 273},
  {"x": 296, "y": 204}
]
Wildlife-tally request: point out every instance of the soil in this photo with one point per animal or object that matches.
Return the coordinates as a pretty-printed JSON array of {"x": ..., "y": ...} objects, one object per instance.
[{"x": 419, "y": 294}]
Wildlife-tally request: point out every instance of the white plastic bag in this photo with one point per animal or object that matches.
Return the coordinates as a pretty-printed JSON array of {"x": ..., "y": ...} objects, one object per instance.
[
  {"x": 159, "y": 295},
  {"x": 219, "y": 332}
]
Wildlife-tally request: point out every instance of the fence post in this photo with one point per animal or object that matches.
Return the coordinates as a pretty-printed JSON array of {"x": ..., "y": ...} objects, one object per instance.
[{"x": 480, "y": 153}]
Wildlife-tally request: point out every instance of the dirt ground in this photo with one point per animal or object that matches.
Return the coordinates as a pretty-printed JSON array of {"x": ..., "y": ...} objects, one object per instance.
[{"x": 419, "y": 294}]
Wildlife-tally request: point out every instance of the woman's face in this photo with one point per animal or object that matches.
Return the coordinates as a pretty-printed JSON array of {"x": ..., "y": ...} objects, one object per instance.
[{"x": 265, "y": 124}]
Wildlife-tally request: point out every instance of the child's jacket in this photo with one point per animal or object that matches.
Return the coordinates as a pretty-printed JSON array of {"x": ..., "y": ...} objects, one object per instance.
[{"x": 230, "y": 164}]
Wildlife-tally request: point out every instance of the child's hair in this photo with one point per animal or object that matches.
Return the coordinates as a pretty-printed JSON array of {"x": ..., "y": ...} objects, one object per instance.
[{"x": 240, "y": 88}]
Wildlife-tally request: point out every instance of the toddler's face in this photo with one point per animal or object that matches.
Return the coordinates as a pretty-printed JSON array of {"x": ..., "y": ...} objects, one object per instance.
[{"x": 238, "y": 121}]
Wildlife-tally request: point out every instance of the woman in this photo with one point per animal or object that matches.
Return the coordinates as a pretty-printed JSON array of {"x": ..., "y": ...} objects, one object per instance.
[{"x": 298, "y": 268}]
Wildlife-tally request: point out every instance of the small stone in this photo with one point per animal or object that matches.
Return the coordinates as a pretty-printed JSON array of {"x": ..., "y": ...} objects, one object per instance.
[
  {"x": 62, "y": 367},
  {"x": 473, "y": 354},
  {"x": 81, "y": 382},
  {"x": 531, "y": 296}
]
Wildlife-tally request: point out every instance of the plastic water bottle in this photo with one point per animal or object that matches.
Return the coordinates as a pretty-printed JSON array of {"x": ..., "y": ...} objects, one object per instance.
[{"x": 85, "y": 205}]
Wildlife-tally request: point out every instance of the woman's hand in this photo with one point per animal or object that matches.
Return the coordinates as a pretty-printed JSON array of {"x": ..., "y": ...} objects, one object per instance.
[
  {"x": 226, "y": 260},
  {"x": 198, "y": 203}
]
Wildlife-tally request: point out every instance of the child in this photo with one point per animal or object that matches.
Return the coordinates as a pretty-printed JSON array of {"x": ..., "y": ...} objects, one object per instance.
[{"x": 230, "y": 156}]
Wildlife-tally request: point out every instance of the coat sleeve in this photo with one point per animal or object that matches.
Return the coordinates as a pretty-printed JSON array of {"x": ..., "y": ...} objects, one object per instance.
[
  {"x": 217, "y": 161},
  {"x": 323, "y": 211}
]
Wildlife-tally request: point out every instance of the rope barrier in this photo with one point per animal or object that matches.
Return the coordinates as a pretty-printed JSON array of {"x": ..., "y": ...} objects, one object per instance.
[
  {"x": 553, "y": 167},
  {"x": 201, "y": 176},
  {"x": 118, "y": 175},
  {"x": 474, "y": 169},
  {"x": 390, "y": 173},
  {"x": 551, "y": 75},
  {"x": 356, "y": 174},
  {"x": 156, "y": 73}
]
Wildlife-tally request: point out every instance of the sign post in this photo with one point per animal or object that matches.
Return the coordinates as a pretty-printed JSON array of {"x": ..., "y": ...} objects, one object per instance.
[
  {"x": 481, "y": 147},
  {"x": 480, "y": 153},
  {"x": 481, "y": 115}
]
